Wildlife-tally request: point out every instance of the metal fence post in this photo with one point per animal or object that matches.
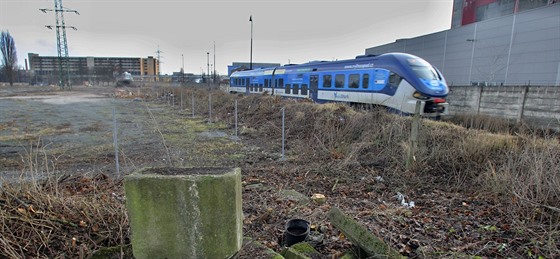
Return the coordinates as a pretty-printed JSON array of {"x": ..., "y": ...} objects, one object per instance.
[
  {"x": 192, "y": 102},
  {"x": 283, "y": 134},
  {"x": 236, "y": 117},
  {"x": 210, "y": 108},
  {"x": 115, "y": 143}
]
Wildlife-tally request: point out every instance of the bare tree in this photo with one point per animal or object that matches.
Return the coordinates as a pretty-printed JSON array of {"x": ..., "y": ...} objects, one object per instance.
[{"x": 9, "y": 55}]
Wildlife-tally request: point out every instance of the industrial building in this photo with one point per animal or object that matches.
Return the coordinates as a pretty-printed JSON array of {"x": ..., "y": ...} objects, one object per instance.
[
  {"x": 493, "y": 42},
  {"x": 236, "y": 66},
  {"x": 44, "y": 69}
]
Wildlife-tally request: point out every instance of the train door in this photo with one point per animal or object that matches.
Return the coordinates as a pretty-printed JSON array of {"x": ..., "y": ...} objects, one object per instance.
[{"x": 313, "y": 86}]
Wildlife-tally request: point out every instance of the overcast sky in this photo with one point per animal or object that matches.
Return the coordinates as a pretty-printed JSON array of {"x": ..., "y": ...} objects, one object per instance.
[{"x": 290, "y": 30}]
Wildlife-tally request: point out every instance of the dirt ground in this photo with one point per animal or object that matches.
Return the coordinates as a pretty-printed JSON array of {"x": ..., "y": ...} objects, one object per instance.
[
  {"x": 47, "y": 133},
  {"x": 76, "y": 128}
]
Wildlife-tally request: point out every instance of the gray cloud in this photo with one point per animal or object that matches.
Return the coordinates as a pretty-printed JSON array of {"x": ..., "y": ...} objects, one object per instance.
[{"x": 297, "y": 30}]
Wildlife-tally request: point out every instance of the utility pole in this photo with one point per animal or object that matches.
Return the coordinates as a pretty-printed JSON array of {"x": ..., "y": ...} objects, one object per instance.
[
  {"x": 208, "y": 68},
  {"x": 214, "y": 69},
  {"x": 182, "y": 70},
  {"x": 251, "y": 59},
  {"x": 61, "y": 43}
]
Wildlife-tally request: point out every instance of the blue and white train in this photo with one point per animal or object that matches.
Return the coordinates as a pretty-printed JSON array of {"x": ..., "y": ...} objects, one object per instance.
[{"x": 393, "y": 80}]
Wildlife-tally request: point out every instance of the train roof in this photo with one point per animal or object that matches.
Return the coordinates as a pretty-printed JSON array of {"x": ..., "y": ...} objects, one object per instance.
[{"x": 360, "y": 62}]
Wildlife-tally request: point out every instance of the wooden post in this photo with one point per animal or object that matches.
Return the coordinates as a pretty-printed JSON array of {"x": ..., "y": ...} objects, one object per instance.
[
  {"x": 523, "y": 101},
  {"x": 479, "y": 99},
  {"x": 414, "y": 136}
]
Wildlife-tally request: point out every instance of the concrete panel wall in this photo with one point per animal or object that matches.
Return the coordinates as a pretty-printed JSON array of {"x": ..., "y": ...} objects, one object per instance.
[
  {"x": 515, "y": 49},
  {"x": 538, "y": 105}
]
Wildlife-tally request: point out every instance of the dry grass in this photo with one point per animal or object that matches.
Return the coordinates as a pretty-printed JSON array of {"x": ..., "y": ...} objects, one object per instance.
[
  {"x": 518, "y": 169},
  {"x": 48, "y": 215},
  {"x": 515, "y": 166},
  {"x": 79, "y": 215}
]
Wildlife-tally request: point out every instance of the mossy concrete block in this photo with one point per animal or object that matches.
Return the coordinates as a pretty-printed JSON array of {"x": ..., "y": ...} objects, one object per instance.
[
  {"x": 252, "y": 245},
  {"x": 294, "y": 195},
  {"x": 116, "y": 252},
  {"x": 348, "y": 256},
  {"x": 291, "y": 253},
  {"x": 185, "y": 212},
  {"x": 360, "y": 236},
  {"x": 306, "y": 249}
]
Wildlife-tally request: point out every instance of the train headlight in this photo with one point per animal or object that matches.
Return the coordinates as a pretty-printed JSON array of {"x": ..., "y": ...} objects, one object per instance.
[{"x": 420, "y": 96}]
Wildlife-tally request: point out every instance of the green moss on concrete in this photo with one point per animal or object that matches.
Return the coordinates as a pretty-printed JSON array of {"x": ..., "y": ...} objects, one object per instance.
[
  {"x": 306, "y": 249},
  {"x": 291, "y": 253},
  {"x": 361, "y": 237},
  {"x": 290, "y": 194},
  {"x": 116, "y": 252},
  {"x": 348, "y": 256},
  {"x": 184, "y": 216},
  {"x": 270, "y": 254}
]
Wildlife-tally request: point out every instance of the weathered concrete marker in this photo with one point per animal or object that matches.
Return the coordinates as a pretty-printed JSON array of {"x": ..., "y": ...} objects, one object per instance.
[{"x": 185, "y": 212}]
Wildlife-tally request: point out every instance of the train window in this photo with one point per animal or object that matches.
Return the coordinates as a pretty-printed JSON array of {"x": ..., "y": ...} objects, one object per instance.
[
  {"x": 365, "y": 81},
  {"x": 247, "y": 81},
  {"x": 281, "y": 82},
  {"x": 423, "y": 69},
  {"x": 260, "y": 87},
  {"x": 304, "y": 89},
  {"x": 339, "y": 81},
  {"x": 266, "y": 82},
  {"x": 314, "y": 81},
  {"x": 295, "y": 89},
  {"x": 354, "y": 81},
  {"x": 232, "y": 80},
  {"x": 288, "y": 88},
  {"x": 327, "y": 81},
  {"x": 394, "y": 79}
]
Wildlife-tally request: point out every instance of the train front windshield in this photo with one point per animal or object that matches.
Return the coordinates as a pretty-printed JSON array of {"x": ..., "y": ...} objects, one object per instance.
[{"x": 423, "y": 69}]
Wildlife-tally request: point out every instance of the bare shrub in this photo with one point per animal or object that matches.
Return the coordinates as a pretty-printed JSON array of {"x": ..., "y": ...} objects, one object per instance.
[
  {"x": 37, "y": 222},
  {"x": 482, "y": 122},
  {"x": 468, "y": 157}
]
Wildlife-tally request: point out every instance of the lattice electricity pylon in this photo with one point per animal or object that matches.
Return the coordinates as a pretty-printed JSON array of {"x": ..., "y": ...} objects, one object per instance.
[
  {"x": 158, "y": 62},
  {"x": 61, "y": 43}
]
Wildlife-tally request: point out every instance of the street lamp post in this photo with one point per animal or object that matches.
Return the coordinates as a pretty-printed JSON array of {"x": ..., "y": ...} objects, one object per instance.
[
  {"x": 251, "y": 58},
  {"x": 183, "y": 70},
  {"x": 208, "y": 67}
]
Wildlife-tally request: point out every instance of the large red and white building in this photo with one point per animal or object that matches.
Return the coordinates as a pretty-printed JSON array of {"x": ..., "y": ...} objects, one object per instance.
[
  {"x": 471, "y": 11},
  {"x": 493, "y": 42}
]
